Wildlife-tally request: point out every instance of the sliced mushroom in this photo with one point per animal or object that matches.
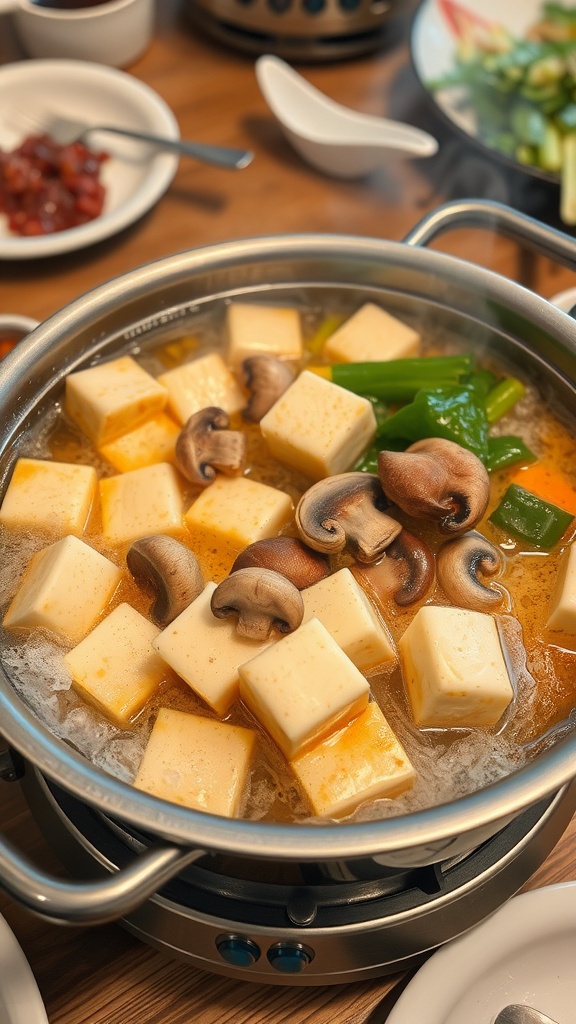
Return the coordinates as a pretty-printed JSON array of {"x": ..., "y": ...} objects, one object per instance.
[
  {"x": 437, "y": 479},
  {"x": 458, "y": 563},
  {"x": 205, "y": 445},
  {"x": 347, "y": 511},
  {"x": 288, "y": 556},
  {"x": 262, "y": 599},
  {"x": 406, "y": 572},
  {"x": 171, "y": 571},
  {"x": 266, "y": 378}
]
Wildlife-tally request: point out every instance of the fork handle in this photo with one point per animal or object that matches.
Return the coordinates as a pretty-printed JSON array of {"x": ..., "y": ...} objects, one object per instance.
[{"x": 220, "y": 156}]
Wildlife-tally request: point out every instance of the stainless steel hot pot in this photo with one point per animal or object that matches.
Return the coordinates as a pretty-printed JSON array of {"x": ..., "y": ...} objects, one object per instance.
[{"x": 137, "y": 309}]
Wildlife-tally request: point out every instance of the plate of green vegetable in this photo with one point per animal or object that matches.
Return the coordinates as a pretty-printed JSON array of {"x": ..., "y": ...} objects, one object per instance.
[{"x": 504, "y": 74}]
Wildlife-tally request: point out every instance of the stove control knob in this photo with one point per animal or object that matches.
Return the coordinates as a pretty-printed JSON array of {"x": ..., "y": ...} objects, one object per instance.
[
  {"x": 289, "y": 957},
  {"x": 237, "y": 950}
]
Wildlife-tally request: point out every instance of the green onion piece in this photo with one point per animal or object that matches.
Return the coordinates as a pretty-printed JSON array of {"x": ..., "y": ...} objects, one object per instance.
[
  {"x": 505, "y": 451},
  {"x": 323, "y": 332},
  {"x": 529, "y": 518},
  {"x": 503, "y": 397},
  {"x": 398, "y": 380},
  {"x": 568, "y": 180}
]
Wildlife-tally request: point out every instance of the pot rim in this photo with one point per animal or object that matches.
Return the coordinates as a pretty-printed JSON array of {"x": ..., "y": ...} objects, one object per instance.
[{"x": 495, "y": 802}]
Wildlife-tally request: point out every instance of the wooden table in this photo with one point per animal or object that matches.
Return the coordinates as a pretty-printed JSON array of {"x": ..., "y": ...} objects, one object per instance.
[{"x": 103, "y": 975}]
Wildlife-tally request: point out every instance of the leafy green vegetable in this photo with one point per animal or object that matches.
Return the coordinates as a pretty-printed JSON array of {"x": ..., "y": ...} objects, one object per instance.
[
  {"x": 505, "y": 451},
  {"x": 454, "y": 413}
]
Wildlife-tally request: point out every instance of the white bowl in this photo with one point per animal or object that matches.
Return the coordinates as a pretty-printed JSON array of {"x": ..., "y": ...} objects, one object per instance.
[
  {"x": 116, "y": 32},
  {"x": 336, "y": 140},
  {"x": 14, "y": 325}
]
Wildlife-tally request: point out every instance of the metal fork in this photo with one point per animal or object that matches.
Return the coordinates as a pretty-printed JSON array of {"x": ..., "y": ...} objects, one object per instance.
[{"x": 64, "y": 131}]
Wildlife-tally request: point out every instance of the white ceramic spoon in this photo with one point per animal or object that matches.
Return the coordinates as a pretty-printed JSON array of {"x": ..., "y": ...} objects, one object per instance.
[{"x": 335, "y": 139}]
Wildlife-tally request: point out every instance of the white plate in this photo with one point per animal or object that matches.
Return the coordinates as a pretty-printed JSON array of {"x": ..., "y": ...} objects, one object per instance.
[
  {"x": 20, "y": 1000},
  {"x": 524, "y": 953},
  {"x": 433, "y": 48},
  {"x": 135, "y": 176}
]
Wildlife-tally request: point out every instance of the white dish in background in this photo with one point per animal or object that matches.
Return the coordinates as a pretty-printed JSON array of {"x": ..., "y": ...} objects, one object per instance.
[
  {"x": 524, "y": 953},
  {"x": 337, "y": 140},
  {"x": 135, "y": 176},
  {"x": 433, "y": 49},
  {"x": 20, "y": 1000},
  {"x": 565, "y": 300}
]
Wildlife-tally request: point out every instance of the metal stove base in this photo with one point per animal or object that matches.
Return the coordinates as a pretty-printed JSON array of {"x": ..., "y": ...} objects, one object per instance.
[{"x": 212, "y": 927}]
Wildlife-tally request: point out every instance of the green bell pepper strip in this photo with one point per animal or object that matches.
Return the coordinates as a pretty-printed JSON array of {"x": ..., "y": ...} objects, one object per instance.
[
  {"x": 529, "y": 518},
  {"x": 452, "y": 413},
  {"x": 505, "y": 451}
]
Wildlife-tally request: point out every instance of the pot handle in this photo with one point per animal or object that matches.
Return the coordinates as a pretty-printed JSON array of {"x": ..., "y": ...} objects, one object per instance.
[
  {"x": 88, "y": 903},
  {"x": 483, "y": 213}
]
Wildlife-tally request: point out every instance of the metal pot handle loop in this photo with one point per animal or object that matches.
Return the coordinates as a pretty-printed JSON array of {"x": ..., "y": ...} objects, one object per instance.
[
  {"x": 88, "y": 903},
  {"x": 483, "y": 213}
]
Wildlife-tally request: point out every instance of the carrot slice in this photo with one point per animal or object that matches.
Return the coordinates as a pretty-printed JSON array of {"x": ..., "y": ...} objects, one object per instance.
[{"x": 547, "y": 483}]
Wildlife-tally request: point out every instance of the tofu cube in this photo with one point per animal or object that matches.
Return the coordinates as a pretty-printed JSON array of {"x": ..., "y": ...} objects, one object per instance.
[
  {"x": 109, "y": 399},
  {"x": 371, "y": 334},
  {"x": 206, "y": 652},
  {"x": 262, "y": 330},
  {"x": 116, "y": 667},
  {"x": 363, "y": 761},
  {"x": 202, "y": 382},
  {"x": 303, "y": 688},
  {"x": 65, "y": 590},
  {"x": 563, "y": 605},
  {"x": 141, "y": 502},
  {"x": 341, "y": 605},
  {"x": 197, "y": 762},
  {"x": 54, "y": 497},
  {"x": 317, "y": 427},
  {"x": 151, "y": 442},
  {"x": 230, "y": 514},
  {"x": 454, "y": 668}
]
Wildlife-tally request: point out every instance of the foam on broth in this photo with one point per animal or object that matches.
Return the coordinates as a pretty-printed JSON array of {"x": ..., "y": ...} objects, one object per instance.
[{"x": 449, "y": 763}]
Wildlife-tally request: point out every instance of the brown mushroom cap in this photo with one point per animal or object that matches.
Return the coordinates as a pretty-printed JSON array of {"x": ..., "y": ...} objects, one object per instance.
[
  {"x": 288, "y": 556},
  {"x": 406, "y": 571},
  {"x": 458, "y": 563},
  {"x": 170, "y": 570},
  {"x": 437, "y": 479},
  {"x": 266, "y": 378},
  {"x": 262, "y": 599},
  {"x": 347, "y": 511},
  {"x": 205, "y": 444}
]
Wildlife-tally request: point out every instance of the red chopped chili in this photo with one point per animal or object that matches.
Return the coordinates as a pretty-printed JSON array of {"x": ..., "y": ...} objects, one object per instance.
[{"x": 46, "y": 187}]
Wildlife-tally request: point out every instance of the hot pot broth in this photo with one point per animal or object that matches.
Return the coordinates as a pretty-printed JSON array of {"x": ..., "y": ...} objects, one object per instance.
[{"x": 449, "y": 763}]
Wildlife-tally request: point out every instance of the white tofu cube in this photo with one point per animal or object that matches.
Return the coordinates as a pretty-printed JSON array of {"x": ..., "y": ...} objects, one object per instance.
[
  {"x": 151, "y": 442},
  {"x": 65, "y": 590},
  {"x": 206, "y": 651},
  {"x": 302, "y": 688},
  {"x": 200, "y": 383},
  {"x": 262, "y": 330},
  {"x": 141, "y": 502},
  {"x": 563, "y": 604},
  {"x": 116, "y": 667},
  {"x": 363, "y": 761},
  {"x": 109, "y": 399},
  {"x": 454, "y": 668},
  {"x": 230, "y": 514},
  {"x": 341, "y": 605},
  {"x": 371, "y": 334},
  {"x": 197, "y": 762},
  {"x": 54, "y": 497},
  {"x": 317, "y": 427}
]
